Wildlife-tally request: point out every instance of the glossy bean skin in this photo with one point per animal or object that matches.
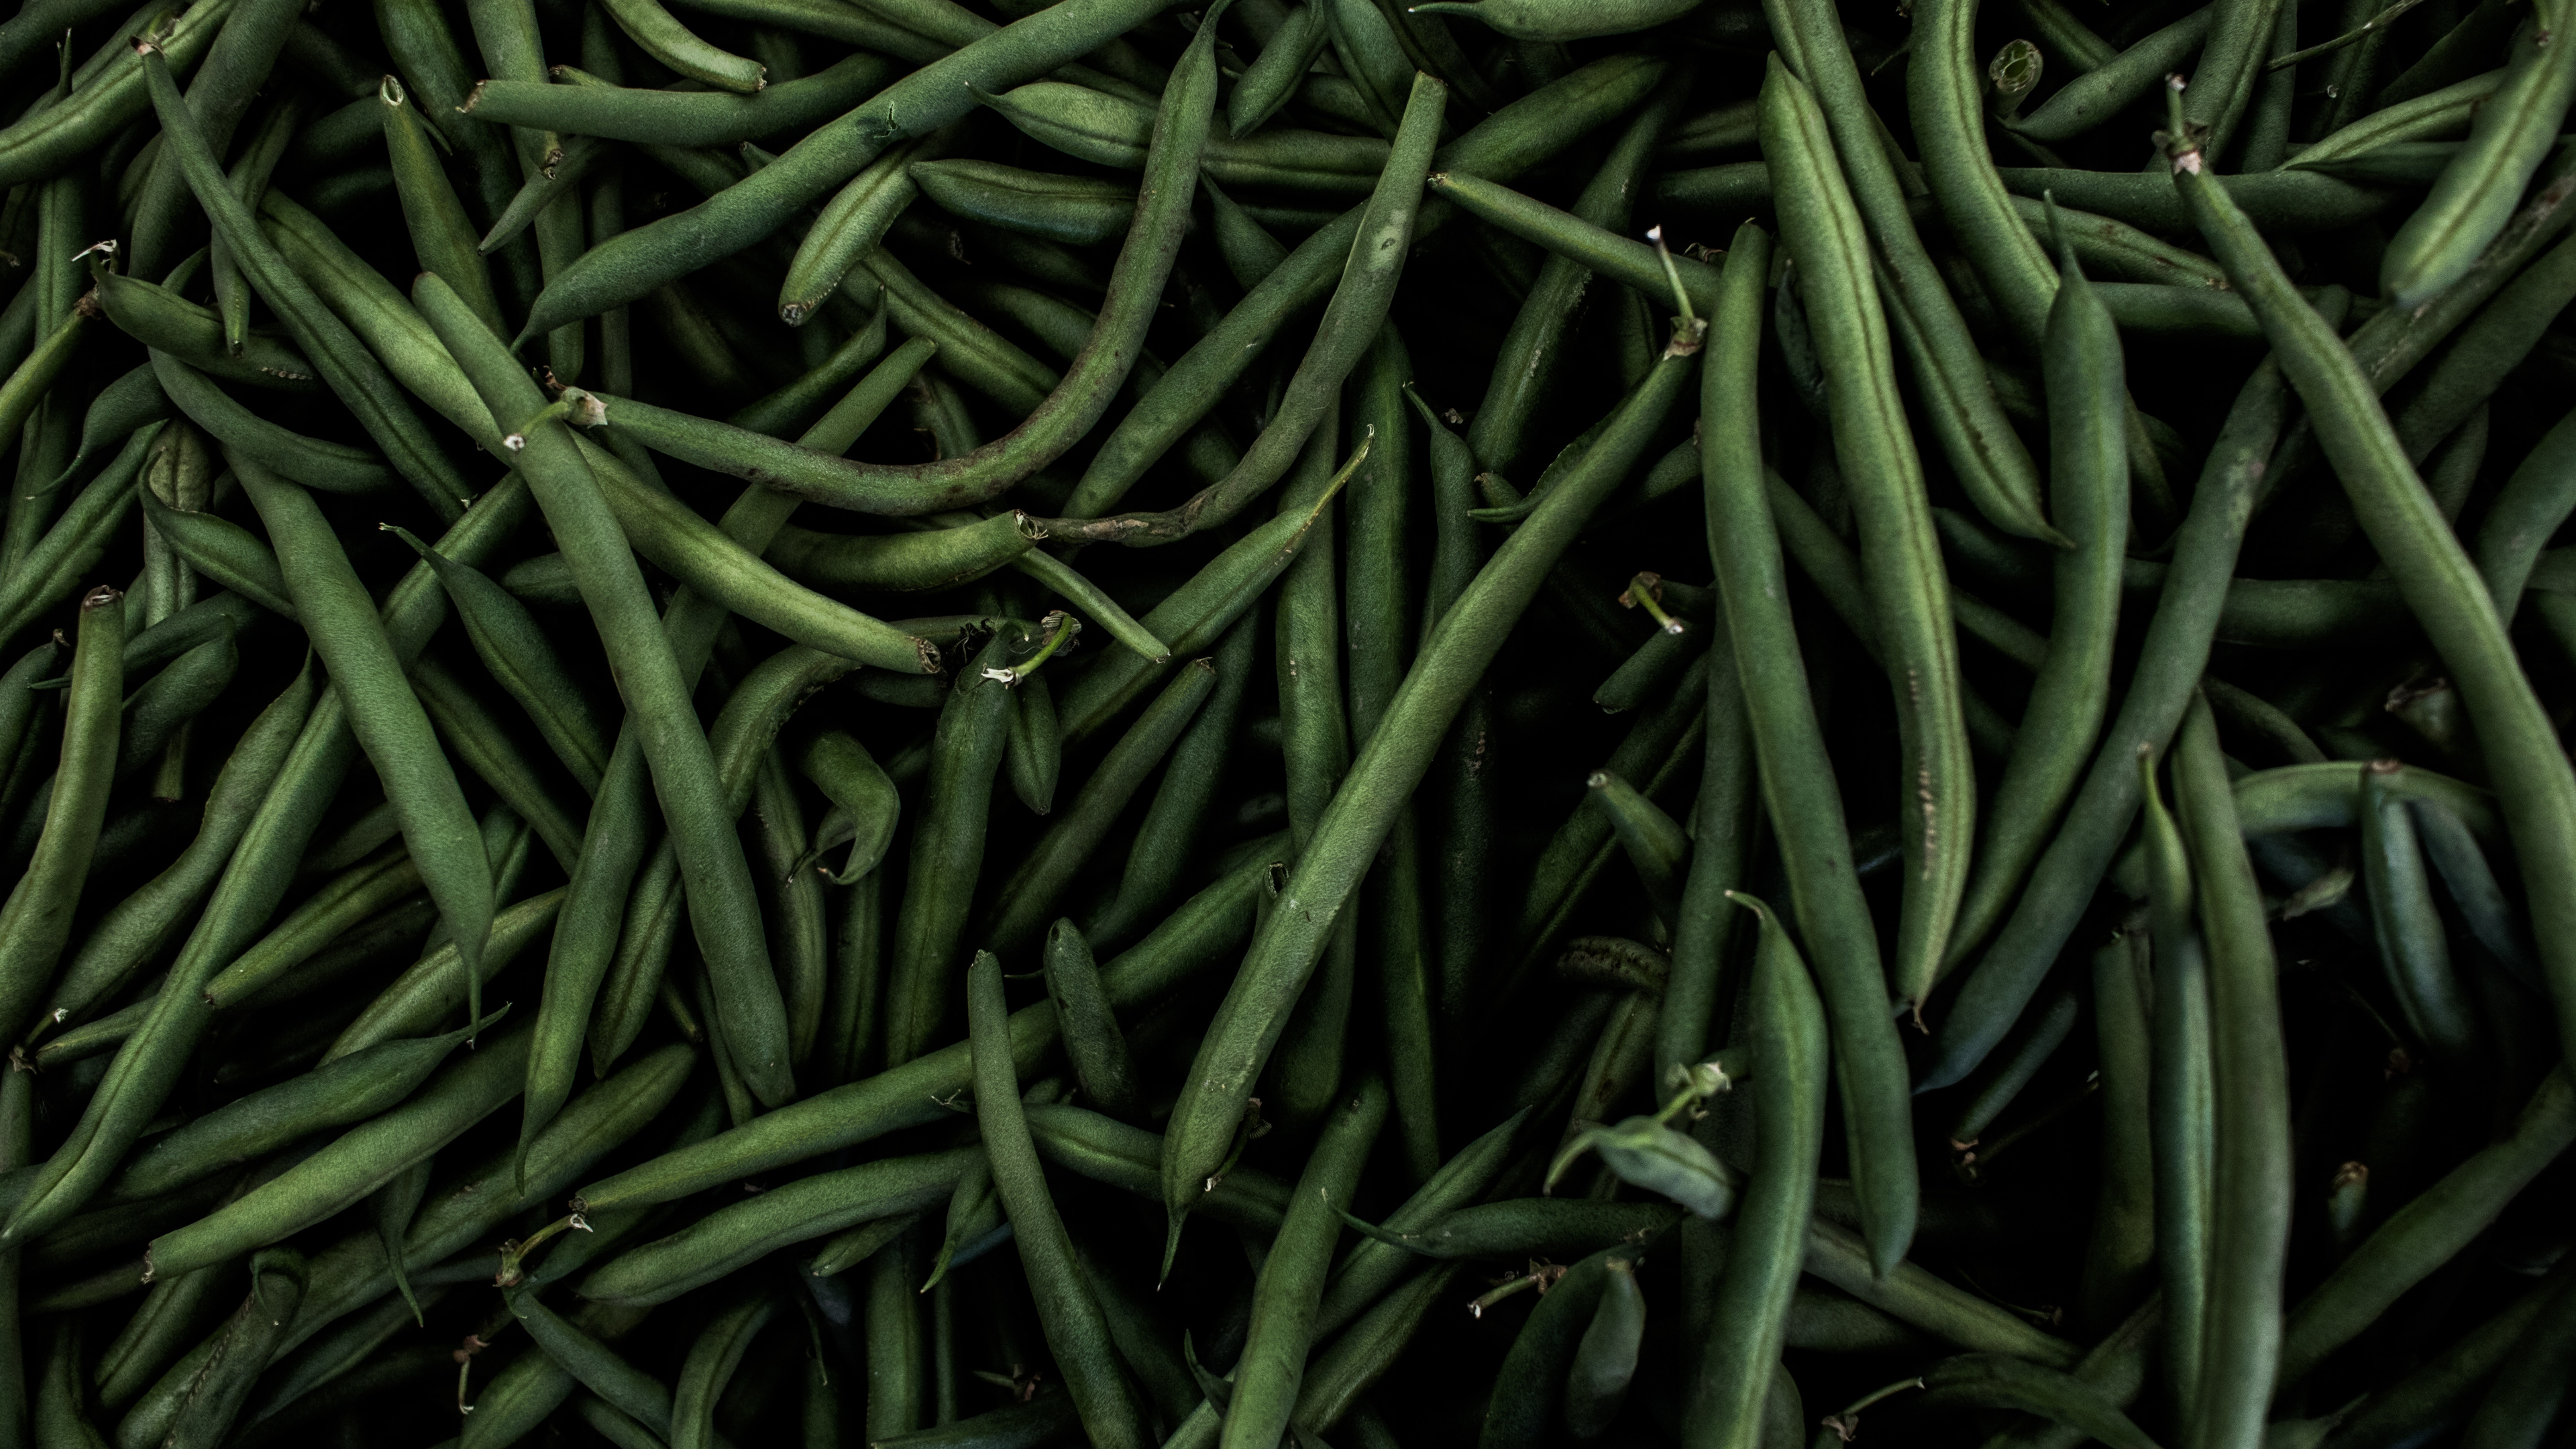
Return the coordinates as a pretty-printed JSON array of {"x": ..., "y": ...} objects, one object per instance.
[
  {"x": 35, "y": 924},
  {"x": 1819, "y": 222},
  {"x": 2432, "y": 569},
  {"x": 1112, "y": 1410}
]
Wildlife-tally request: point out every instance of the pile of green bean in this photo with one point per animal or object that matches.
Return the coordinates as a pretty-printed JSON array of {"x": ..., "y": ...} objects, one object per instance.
[{"x": 969, "y": 724}]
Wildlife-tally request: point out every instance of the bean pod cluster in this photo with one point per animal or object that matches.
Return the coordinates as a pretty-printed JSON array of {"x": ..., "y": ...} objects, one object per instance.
[{"x": 969, "y": 724}]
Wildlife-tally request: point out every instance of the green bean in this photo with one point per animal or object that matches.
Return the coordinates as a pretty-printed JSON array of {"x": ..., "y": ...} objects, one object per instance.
[
  {"x": 1352, "y": 1364},
  {"x": 2241, "y": 1336},
  {"x": 1109, "y": 129},
  {"x": 1897, "y": 545},
  {"x": 2088, "y": 470},
  {"x": 1530, "y": 1390},
  {"x": 314, "y": 462},
  {"x": 1076, "y": 210},
  {"x": 2282, "y": 202},
  {"x": 163, "y": 708},
  {"x": 2119, "y": 1261},
  {"x": 2475, "y": 198},
  {"x": 2438, "y": 115},
  {"x": 1924, "y": 1301},
  {"x": 1194, "y": 616},
  {"x": 1949, "y": 127},
  {"x": 581, "y": 105},
  {"x": 2413, "y": 948},
  {"x": 1798, "y": 785},
  {"x": 2431, "y": 568},
  {"x": 1997, "y": 1381},
  {"x": 519, "y": 655},
  {"x": 223, "y": 551},
  {"x": 660, "y": 35},
  {"x": 203, "y": 1408},
  {"x": 107, "y": 94},
  {"x": 2170, "y": 665},
  {"x": 1182, "y": 800},
  {"x": 381, "y": 316},
  {"x": 2428, "y": 1232},
  {"x": 35, "y": 925},
  {"x": 1286, "y": 56},
  {"x": 1509, "y": 142},
  {"x": 2099, "y": 94},
  {"x": 441, "y": 237},
  {"x": 362, "y": 1160},
  {"x": 1077, "y": 1333},
  {"x": 724, "y": 910},
  {"x": 165, "y": 322},
  {"x": 53, "y": 570},
  {"x": 631, "y": 264},
  {"x": 680, "y": 542},
  {"x": 940, "y": 558},
  {"x": 947, "y": 853},
  {"x": 383, "y": 712},
  {"x": 2531, "y": 1387},
  {"x": 1101, "y": 1061},
  {"x": 351, "y": 371},
  {"x": 1364, "y": 809},
  {"x": 486, "y": 748},
  {"x": 597, "y": 1366},
  {"x": 1192, "y": 939},
  {"x": 1967, "y": 421},
  {"x": 1290, "y": 1286},
  {"x": 1755, "y": 1292},
  {"x": 341, "y": 1093}
]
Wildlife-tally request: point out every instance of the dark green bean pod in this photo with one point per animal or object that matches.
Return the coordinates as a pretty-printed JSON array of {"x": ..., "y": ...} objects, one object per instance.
[
  {"x": 223, "y": 551},
  {"x": 394, "y": 1205},
  {"x": 1605, "y": 1361},
  {"x": 2030, "y": 1047},
  {"x": 1927, "y": 1302},
  {"x": 1653, "y": 841},
  {"x": 1210, "y": 927},
  {"x": 1755, "y": 1291},
  {"x": 523, "y": 660},
  {"x": 947, "y": 852},
  {"x": 1076, "y": 210},
  {"x": 857, "y": 786},
  {"x": 2428, "y": 1232},
  {"x": 352, "y": 373},
  {"x": 2414, "y": 947},
  {"x": 352, "y": 896},
  {"x": 1994, "y": 1381},
  {"x": 1395, "y": 759},
  {"x": 1290, "y": 1286},
  {"x": 1033, "y": 748},
  {"x": 723, "y": 906},
  {"x": 361, "y": 1161},
  {"x": 2241, "y": 1334},
  {"x": 974, "y": 1214},
  {"x": 54, "y": 570},
  {"x": 428, "y": 993},
  {"x": 2443, "y": 1390},
  {"x": 2473, "y": 888},
  {"x": 36, "y": 923},
  {"x": 1798, "y": 786},
  {"x": 936, "y": 558},
  {"x": 2119, "y": 1260},
  {"x": 2103, "y": 91},
  {"x": 1109, "y": 1151},
  {"x": 198, "y": 1413},
  {"x": 1077, "y": 1332},
  {"x": 441, "y": 237},
  {"x": 2433, "y": 571},
  {"x": 1530, "y": 1227},
  {"x": 577, "y": 104},
  {"x": 165, "y": 322},
  {"x": 793, "y": 897},
  {"x": 1530, "y": 1391},
  {"x": 2475, "y": 197},
  {"x": 597, "y": 1366},
  {"x": 348, "y": 1090},
  {"x": 1093, "y": 1044},
  {"x": 313, "y": 462},
  {"x": 159, "y": 711},
  {"x": 2531, "y": 1388},
  {"x": 1373, "y": 1266},
  {"x": 1821, "y": 223},
  {"x": 2089, "y": 501},
  {"x": 1352, "y": 1364}
]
